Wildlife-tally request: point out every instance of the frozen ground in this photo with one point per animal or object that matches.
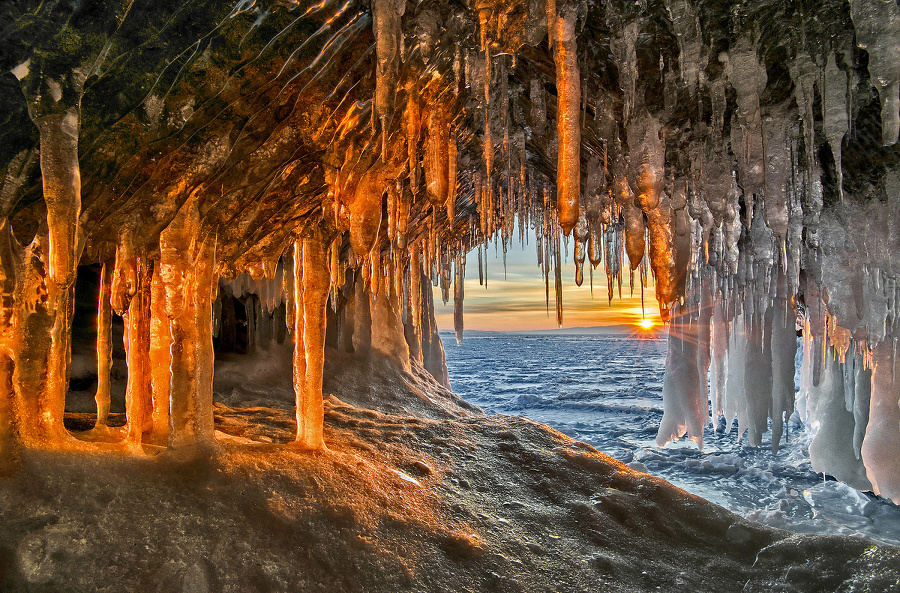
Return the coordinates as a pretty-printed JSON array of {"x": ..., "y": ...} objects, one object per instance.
[{"x": 606, "y": 390}]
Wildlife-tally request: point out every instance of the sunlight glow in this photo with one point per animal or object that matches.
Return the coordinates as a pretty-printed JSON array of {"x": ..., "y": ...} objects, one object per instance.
[{"x": 646, "y": 323}]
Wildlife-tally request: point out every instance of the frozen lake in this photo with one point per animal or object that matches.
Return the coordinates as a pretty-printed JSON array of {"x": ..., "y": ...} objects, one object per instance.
[{"x": 606, "y": 390}]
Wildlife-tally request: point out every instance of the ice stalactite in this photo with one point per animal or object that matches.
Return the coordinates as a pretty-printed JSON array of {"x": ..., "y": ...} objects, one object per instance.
[
  {"x": 311, "y": 282},
  {"x": 836, "y": 119},
  {"x": 459, "y": 278},
  {"x": 877, "y": 25},
  {"x": 388, "y": 41},
  {"x": 748, "y": 78},
  {"x": 690, "y": 41},
  {"x": 568, "y": 84}
]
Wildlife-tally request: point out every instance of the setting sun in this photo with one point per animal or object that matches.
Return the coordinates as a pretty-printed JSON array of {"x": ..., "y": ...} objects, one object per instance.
[{"x": 646, "y": 323}]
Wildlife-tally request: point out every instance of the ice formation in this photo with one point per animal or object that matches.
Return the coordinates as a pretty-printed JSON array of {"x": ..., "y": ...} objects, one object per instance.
[{"x": 321, "y": 168}]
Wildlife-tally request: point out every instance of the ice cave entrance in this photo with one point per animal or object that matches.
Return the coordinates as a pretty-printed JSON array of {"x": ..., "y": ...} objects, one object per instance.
[{"x": 599, "y": 378}]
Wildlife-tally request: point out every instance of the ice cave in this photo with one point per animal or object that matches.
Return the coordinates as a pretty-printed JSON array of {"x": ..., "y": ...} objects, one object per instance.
[{"x": 223, "y": 224}]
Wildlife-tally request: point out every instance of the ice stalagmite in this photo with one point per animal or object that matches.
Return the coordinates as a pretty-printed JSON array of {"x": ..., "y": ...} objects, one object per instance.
[
  {"x": 685, "y": 400},
  {"x": 311, "y": 282},
  {"x": 568, "y": 85},
  {"x": 877, "y": 25}
]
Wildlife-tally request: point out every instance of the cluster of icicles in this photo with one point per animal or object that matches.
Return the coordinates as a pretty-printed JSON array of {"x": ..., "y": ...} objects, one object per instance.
[{"x": 724, "y": 242}]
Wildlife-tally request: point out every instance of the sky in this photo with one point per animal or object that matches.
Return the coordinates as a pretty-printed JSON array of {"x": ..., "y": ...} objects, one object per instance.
[{"x": 518, "y": 302}]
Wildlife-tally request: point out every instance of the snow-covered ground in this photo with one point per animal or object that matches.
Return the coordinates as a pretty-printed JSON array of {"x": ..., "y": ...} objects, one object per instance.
[
  {"x": 606, "y": 390},
  {"x": 418, "y": 491}
]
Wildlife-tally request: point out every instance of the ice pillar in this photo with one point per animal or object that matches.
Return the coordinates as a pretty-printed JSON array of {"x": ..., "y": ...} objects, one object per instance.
[
  {"x": 311, "y": 284},
  {"x": 187, "y": 272}
]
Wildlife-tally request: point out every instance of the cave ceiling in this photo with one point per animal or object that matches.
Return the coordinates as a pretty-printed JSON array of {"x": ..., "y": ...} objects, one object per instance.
[{"x": 272, "y": 115}]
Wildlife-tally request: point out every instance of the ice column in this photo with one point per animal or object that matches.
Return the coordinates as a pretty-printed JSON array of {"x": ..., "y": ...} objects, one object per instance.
[
  {"x": 311, "y": 283},
  {"x": 8, "y": 313},
  {"x": 881, "y": 446},
  {"x": 187, "y": 273},
  {"x": 104, "y": 343},
  {"x": 685, "y": 399},
  {"x": 54, "y": 107}
]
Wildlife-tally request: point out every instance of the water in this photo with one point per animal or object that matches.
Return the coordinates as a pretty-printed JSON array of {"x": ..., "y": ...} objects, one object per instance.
[{"x": 606, "y": 390}]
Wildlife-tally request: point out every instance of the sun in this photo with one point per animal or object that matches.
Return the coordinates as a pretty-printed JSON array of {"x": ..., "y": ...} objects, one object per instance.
[{"x": 646, "y": 323}]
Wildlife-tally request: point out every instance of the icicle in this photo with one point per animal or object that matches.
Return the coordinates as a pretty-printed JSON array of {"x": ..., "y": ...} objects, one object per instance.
[
  {"x": 557, "y": 274},
  {"x": 836, "y": 121},
  {"x": 568, "y": 85},
  {"x": 436, "y": 158},
  {"x": 388, "y": 39},
  {"x": 458, "y": 294},
  {"x": 635, "y": 234},
  {"x": 451, "y": 177},
  {"x": 365, "y": 214},
  {"x": 582, "y": 235},
  {"x": 413, "y": 125}
]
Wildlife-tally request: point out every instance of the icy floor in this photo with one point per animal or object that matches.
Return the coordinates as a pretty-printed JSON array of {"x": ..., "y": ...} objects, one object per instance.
[{"x": 606, "y": 390}]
